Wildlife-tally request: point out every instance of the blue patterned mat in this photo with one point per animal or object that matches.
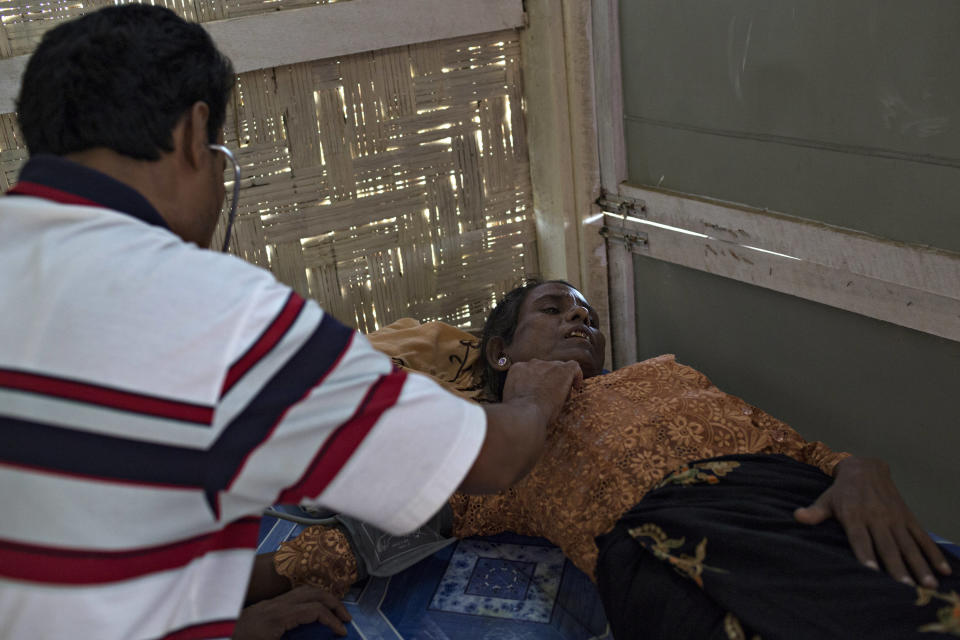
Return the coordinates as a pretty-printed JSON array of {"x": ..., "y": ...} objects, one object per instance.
[
  {"x": 946, "y": 545},
  {"x": 504, "y": 587},
  {"x": 496, "y": 588}
]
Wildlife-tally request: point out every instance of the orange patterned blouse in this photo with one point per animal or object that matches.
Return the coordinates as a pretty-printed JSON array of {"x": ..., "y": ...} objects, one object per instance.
[{"x": 616, "y": 438}]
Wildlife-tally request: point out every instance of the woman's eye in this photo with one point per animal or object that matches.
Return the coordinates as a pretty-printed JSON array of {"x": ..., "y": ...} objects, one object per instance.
[{"x": 551, "y": 310}]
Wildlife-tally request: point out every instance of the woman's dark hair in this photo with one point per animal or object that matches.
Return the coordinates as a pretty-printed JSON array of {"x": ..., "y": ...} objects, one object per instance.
[
  {"x": 121, "y": 78},
  {"x": 502, "y": 323}
]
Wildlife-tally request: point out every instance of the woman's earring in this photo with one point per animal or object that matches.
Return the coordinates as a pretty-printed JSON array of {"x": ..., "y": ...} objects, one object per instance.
[{"x": 502, "y": 362}]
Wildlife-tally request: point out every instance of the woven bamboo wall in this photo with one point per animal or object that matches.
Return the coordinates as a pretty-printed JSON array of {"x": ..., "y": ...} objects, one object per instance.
[
  {"x": 385, "y": 184},
  {"x": 24, "y": 21}
]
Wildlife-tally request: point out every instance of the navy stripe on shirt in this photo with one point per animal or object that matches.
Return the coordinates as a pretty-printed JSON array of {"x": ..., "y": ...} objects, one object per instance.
[
  {"x": 304, "y": 371},
  {"x": 267, "y": 340},
  {"x": 36, "y": 445}
]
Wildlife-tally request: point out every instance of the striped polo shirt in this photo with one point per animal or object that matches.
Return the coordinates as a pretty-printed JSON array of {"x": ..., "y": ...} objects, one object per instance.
[{"x": 155, "y": 396}]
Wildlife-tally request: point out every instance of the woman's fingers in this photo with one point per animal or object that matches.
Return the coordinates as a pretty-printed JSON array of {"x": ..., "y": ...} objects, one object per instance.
[
  {"x": 308, "y": 612},
  {"x": 915, "y": 561},
  {"x": 878, "y": 523},
  {"x": 311, "y": 594},
  {"x": 269, "y": 619},
  {"x": 889, "y": 552},
  {"x": 930, "y": 549},
  {"x": 861, "y": 542},
  {"x": 905, "y": 550}
]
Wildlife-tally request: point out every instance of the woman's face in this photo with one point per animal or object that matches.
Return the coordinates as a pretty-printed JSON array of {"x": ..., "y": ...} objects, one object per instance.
[{"x": 556, "y": 323}]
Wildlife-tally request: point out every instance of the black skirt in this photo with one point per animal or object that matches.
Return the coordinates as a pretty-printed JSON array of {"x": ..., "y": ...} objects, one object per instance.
[{"x": 714, "y": 552}]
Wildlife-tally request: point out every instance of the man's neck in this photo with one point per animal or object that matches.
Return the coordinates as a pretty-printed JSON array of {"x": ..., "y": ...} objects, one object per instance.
[{"x": 155, "y": 180}]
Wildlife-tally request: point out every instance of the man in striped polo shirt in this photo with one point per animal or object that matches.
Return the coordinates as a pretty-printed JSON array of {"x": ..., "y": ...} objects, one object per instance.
[{"x": 154, "y": 395}]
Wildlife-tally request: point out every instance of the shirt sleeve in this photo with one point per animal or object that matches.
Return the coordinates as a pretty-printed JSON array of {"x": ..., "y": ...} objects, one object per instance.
[{"x": 310, "y": 413}]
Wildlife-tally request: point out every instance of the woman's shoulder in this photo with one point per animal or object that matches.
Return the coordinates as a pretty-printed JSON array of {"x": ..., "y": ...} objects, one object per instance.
[{"x": 662, "y": 369}]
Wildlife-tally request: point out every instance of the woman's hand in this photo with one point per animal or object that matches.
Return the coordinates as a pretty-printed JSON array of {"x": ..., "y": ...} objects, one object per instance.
[
  {"x": 864, "y": 499},
  {"x": 270, "y": 619}
]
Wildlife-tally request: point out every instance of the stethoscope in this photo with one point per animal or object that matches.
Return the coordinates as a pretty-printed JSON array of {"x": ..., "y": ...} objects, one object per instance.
[{"x": 236, "y": 191}]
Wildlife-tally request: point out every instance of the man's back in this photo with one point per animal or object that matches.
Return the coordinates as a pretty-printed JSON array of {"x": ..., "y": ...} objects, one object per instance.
[{"x": 155, "y": 396}]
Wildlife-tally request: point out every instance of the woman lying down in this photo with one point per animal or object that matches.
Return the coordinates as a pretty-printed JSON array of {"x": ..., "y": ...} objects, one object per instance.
[{"x": 698, "y": 515}]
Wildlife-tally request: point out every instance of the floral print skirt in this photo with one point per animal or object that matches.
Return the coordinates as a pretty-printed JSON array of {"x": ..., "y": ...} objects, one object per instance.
[{"x": 714, "y": 552}]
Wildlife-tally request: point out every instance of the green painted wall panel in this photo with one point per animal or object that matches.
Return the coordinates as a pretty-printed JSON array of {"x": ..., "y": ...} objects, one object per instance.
[
  {"x": 846, "y": 112},
  {"x": 842, "y": 112},
  {"x": 858, "y": 384},
  {"x": 904, "y": 201}
]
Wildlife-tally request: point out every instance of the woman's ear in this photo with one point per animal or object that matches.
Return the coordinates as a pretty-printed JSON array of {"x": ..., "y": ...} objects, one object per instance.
[{"x": 495, "y": 355}]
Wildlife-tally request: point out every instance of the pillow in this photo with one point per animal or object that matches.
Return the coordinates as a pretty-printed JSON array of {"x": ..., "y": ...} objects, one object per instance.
[{"x": 449, "y": 355}]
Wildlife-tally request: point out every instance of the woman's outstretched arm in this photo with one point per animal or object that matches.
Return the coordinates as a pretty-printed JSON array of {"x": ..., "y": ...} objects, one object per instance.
[
  {"x": 320, "y": 556},
  {"x": 882, "y": 529},
  {"x": 265, "y": 582},
  {"x": 273, "y": 605}
]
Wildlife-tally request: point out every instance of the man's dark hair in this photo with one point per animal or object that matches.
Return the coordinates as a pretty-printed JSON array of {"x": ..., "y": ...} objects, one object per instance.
[
  {"x": 502, "y": 323},
  {"x": 121, "y": 78}
]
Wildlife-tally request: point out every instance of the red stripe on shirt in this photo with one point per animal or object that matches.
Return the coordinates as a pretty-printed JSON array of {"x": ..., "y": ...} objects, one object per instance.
[
  {"x": 346, "y": 439},
  {"x": 24, "y": 188},
  {"x": 200, "y": 631},
  {"x": 105, "y": 397},
  {"x": 346, "y": 347},
  {"x": 265, "y": 343},
  {"x": 55, "y": 565}
]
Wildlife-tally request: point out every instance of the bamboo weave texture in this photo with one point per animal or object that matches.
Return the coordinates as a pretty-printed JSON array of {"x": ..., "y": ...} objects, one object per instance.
[{"x": 384, "y": 184}]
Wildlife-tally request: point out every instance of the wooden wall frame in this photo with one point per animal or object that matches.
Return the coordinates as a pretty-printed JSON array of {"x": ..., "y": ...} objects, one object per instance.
[
  {"x": 560, "y": 93},
  {"x": 612, "y": 155},
  {"x": 909, "y": 285},
  {"x": 326, "y": 31}
]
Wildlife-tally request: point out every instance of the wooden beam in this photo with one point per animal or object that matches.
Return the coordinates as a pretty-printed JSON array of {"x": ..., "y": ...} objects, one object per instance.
[
  {"x": 562, "y": 130},
  {"x": 267, "y": 40},
  {"x": 740, "y": 252},
  {"x": 623, "y": 329},
  {"x": 581, "y": 104},
  {"x": 545, "y": 91},
  {"x": 925, "y": 269},
  {"x": 609, "y": 93},
  {"x": 612, "y": 165}
]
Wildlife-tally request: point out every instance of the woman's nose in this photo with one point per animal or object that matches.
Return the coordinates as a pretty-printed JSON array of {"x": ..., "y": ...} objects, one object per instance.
[{"x": 576, "y": 311}]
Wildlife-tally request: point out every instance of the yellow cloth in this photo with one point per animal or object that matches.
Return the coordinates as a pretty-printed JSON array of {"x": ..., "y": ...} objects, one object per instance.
[{"x": 448, "y": 354}]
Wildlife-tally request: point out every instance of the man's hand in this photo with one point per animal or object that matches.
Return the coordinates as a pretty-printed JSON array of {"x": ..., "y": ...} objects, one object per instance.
[
  {"x": 270, "y": 619},
  {"x": 544, "y": 384},
  {"x": 864, "y": 499},
  {"x": 533, "y": 394}
]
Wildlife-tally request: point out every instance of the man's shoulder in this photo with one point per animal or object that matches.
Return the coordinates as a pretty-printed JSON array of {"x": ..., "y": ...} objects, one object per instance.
[
  {"x": 126, "y": 271},
  {"x": 123, "y": 246}
]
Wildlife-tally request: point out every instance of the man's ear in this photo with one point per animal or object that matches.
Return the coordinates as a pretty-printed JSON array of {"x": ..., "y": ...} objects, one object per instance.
[
  {"x": 495, "y": 351},
  {"x": 190, "y": 135}
]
